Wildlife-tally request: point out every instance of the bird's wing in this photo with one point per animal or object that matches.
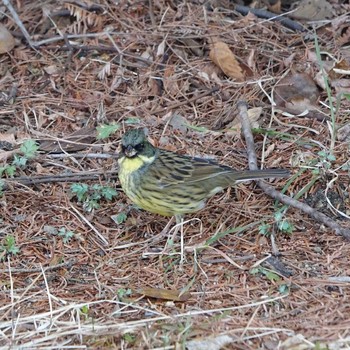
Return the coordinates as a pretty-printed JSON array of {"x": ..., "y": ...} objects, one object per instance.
[{"x": 172, "y": 169}]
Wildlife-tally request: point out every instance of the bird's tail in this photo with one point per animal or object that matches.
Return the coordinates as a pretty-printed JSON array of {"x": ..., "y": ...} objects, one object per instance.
[{"x": 246, "y": 175}]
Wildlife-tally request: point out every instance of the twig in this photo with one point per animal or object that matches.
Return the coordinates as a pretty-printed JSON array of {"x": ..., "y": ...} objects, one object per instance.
[
  {"x": 83, "y": 218},
  {"x": 18, "y": 21},
  {"x": 252, "y": 161},
  {"x": 151, "y": 12},
  {"x": 286, "y": 22},
  {"x": 67, "y": 264},
  {"x": 33, "y": 180},
  {"x": 83, "y": 155}
]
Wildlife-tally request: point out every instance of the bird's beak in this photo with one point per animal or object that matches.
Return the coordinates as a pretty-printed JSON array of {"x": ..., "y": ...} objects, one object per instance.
[{"x": 130, "y": 151}]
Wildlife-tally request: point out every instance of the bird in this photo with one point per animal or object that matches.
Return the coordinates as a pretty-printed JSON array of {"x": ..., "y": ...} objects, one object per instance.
[{"x": 171, "y": 184}]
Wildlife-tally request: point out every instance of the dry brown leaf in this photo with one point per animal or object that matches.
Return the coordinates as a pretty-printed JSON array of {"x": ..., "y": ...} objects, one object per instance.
[
  {"x": 213, "y": 343},
  {"x": 76, "y": 141},
  {"x": 275, "y": 6},
  {"x": 253, "y": 116},
  {"x": 296, "y": 94},
  {"x": 344, "y": 37},
  {"x": 8, "y": 137},
  {"x": 343, "y": 133},
  {"x": 222, "y": 56},
  {"x": 160, "y": 293},
  {"x": 7, "y": 41},
  {"x": 313, "y": 10},
  {"x": 5, "y": 155}
]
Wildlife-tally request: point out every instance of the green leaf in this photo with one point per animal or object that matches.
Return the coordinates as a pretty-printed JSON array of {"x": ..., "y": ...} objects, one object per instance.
[
  {"x": 197, "y": 128},
  {"x": 283, "y": 289},
  {"x": 106, "y": 130},
  {"x": 278, "y": 216},
  {"x": 10, "y": 170},
  {"x": 80, "y": 190},
  {"x": 90, "y": 205},
  {"x": 108, "y": 193},
  {"x": 119, "y": 218},
  {"x": 264, "y": 229},
  {"x": 286, "y": 226},
  {"x": 19, "y": 161},
  {"x": 84, "y": 310},
  {"x": 9, "y": 245},
  {"x": 66, "y": 235},
  {"x": 271, "y": 276},
  {"x": 322, "y": 154},
  {"x": 331, "y": 157},
  {"x": 29, "y": 148}
]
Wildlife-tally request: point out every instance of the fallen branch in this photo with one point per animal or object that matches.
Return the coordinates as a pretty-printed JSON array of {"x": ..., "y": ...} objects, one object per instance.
[
  {"x": 81, "y": 176},
  {"x": 269, "y": 190}
]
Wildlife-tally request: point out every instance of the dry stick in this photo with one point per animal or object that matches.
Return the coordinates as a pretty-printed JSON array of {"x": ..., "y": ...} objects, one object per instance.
[
  {"x": 33, "y": 180},
  {"x": 287, "y": 22},
  {"x": 322, "y": 218},
  {"x": 18, "y": 21}
]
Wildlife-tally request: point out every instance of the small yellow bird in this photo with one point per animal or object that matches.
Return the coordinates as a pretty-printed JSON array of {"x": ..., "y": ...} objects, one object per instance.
[{"x": 170, "y": 184}]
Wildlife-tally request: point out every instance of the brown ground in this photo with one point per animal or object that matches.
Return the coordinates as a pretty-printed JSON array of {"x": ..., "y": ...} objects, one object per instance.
[{"x": 97, "y": 296}]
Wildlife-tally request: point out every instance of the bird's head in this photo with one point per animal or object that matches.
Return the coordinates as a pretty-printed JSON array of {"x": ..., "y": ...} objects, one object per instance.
[{"x": 134, "y": 143}]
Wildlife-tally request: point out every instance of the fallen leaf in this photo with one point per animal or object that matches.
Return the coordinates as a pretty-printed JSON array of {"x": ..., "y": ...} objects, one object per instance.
[
  {"x": 343, "y": 133},
  {"x": 5, "y": 155},
  {"x": 254, "y": 115},
  {"x": 77, "y": 141},
  {"x": 166, "y": 294},
  {"x": 313, "y": 10},
  {"x": 212, "y": 343},
  {"x": 223, "y": 57},
  {"x": 296, "y": 94},
  {"x": 275, "y": 6},
  {"x": 177, "y": 121},
  {"x": 8, "y": 137},
  {"x": 7, "y": 41}
]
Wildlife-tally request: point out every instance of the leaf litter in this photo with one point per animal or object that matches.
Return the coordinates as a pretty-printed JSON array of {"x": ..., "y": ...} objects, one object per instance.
[{"x": 103, "y": 285}]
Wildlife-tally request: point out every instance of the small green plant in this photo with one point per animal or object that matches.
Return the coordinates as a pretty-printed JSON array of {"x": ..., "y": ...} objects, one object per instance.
[
  {"x": 270, "y": 275},
  {"x": 282, "y": 224},
  {"x": 129, "y": 338},
  {"x": 119, "y": 218},
  {"x": 90, "y": 196},
  {"x": 106, "y": 130},
  {"x": 8, "y": 170},
  {"x": 8, "y": 246},
  {"x": 65, "y": 234},
  {"x": 264, "y": 229},
  {"x": 326, "y": 159},
  {"x": 28, "y": 150},
  {"x": 283, "y": 288},
  {"x": 84, "y": 311},
  {"x": 123, "y": 293}
]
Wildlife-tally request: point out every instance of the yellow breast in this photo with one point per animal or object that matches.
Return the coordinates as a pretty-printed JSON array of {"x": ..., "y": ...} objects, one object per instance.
[{"x": 128, "y": 173}]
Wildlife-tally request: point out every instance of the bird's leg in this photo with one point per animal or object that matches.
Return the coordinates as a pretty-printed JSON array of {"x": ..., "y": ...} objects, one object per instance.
[
  {"x": 180, "y": 221},
  {"x": 179, "y": 224},
  {"x": 165, "y": 230}
]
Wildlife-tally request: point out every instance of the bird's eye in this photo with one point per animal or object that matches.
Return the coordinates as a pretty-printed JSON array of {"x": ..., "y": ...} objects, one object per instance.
[{"x": 139, "y": 147}]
